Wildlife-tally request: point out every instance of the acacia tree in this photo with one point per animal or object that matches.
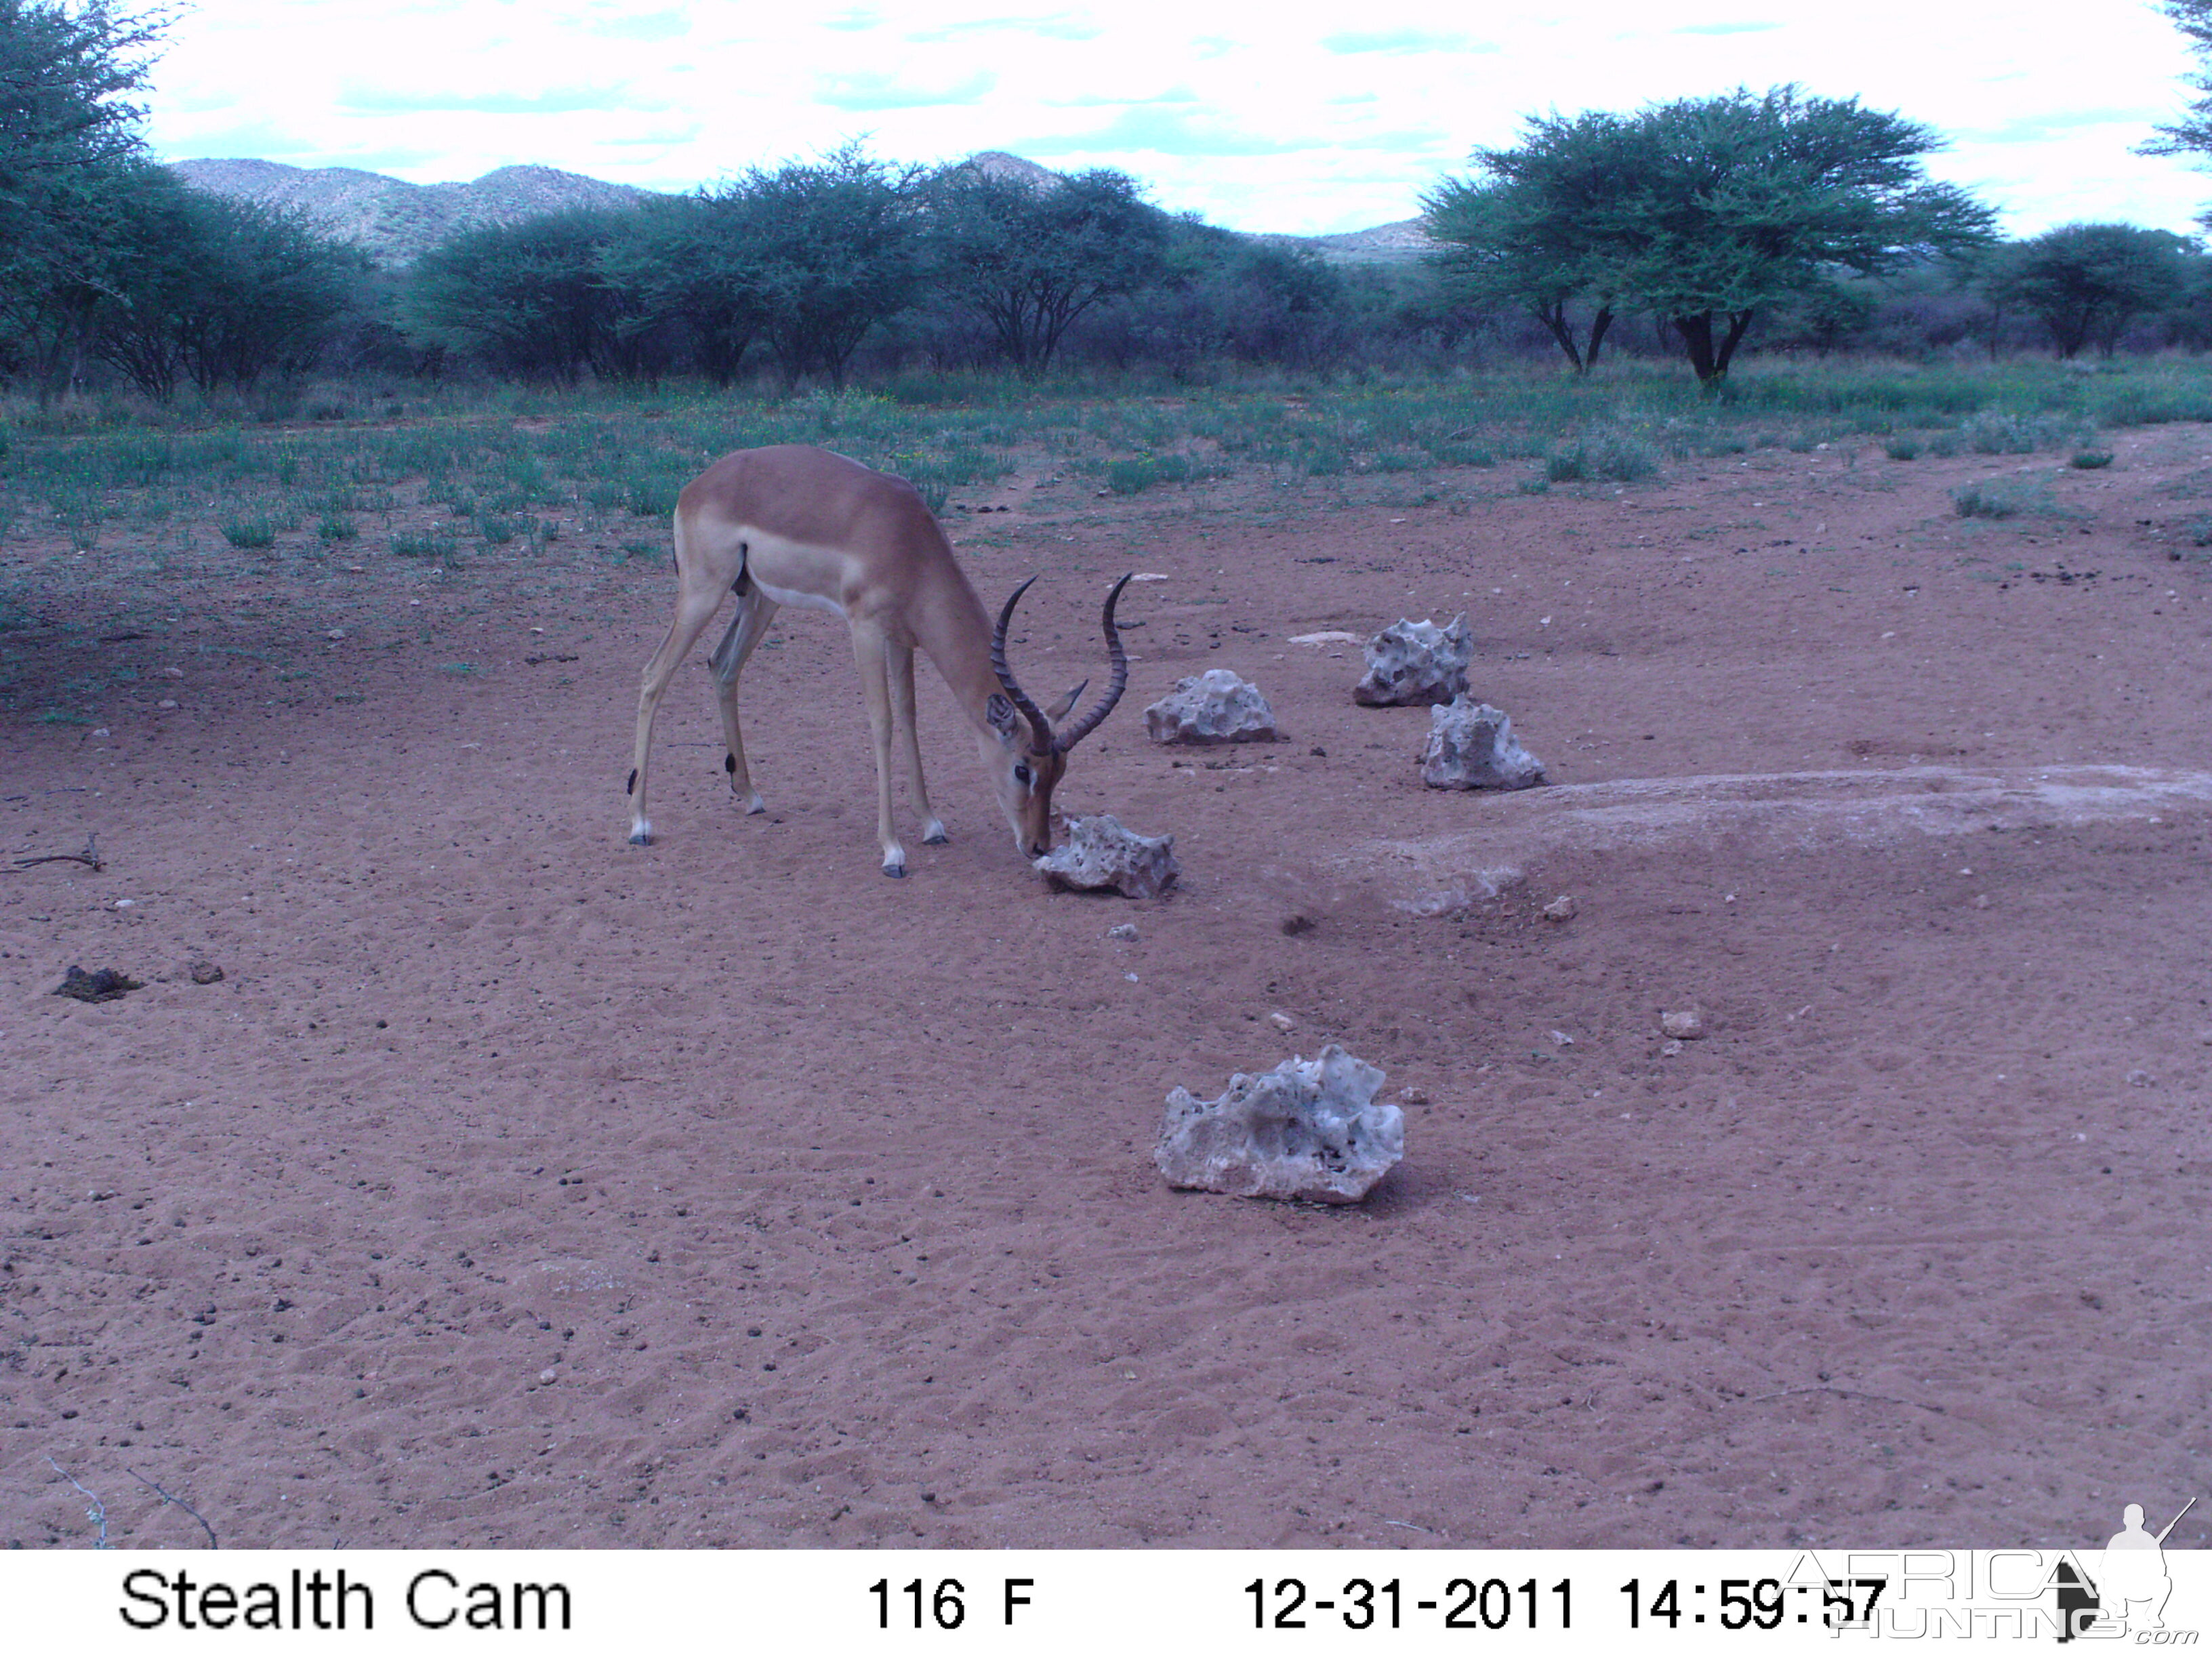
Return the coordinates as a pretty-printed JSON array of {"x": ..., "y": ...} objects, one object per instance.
[
  {"x": 1523, "y": 232},
  {"x": 2087, "y": 282},
  {"x": 829, "y": 249},
  {"x": 68, "y": 136},
  {"x": 1031, "y": 256},
  {"x": 1706, "y": 211},
  {"x": 690, "y": 260},
  {"x": 2191, "y": 134},
  {"x": 532, "y": 298}
]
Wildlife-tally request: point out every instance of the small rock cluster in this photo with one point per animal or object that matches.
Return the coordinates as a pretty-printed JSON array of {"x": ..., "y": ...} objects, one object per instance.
[
  {"x": 1416, "y": 662},
  {"x": 1309, "y": 1129},
  {"x": 103, "y": 986},
  {"x": 1472, "y": 746},
  {"x": 1215, "y": 706},
  {"x": 1100, "y": 856}
]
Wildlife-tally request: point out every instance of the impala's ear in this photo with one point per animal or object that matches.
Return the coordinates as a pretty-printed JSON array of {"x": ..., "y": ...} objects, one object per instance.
[
  {"x": 1059, "y": 711},
  {"x": 1001, "y": 713}
]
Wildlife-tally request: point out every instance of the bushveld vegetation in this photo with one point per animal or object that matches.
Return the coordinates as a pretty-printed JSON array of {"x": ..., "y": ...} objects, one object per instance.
[
  {"x": 1718, "y": 230},
  {"x": 166, "y": 356}
]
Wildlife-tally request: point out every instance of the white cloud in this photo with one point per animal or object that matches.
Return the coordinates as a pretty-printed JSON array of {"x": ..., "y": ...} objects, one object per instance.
[{"x": 1256, "y": 119}]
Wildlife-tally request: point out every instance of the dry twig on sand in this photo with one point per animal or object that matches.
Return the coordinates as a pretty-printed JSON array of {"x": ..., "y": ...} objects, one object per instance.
[
  {"x": 97, "y": 1514},
  {"x": 173, "y": 1498},
  {"x": 89, "y": 858}
]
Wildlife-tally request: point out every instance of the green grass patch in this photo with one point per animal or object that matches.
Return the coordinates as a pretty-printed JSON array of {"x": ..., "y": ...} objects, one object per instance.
[
  {"x": 1601, "y": 455},
  {"x": 2007, "y": 498}
]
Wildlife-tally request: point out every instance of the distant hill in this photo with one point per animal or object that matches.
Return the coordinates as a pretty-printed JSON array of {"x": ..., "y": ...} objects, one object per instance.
[
  {"x": 1395, "y": 243},
  {"x": 396, "y": 222}
]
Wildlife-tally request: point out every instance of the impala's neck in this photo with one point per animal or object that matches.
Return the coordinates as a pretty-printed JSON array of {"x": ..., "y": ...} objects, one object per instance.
[{"x": 949, "y": 623}]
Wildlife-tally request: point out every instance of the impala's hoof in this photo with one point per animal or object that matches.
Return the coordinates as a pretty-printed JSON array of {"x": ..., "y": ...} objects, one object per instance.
[
  {"x": 755, "y": 804},
  {"x": 936, "y": 837},
  {"x": 641, "y": 838},
  {"x": 896, "y": 872}
]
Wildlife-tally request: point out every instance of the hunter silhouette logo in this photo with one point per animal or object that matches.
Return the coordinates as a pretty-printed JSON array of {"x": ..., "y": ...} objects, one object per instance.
[{"x": 2130, "y": 1586}]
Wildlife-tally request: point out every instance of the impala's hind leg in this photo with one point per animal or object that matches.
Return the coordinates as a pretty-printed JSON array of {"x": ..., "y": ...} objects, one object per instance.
[
  {"x": 694, "y": 608},
  {"x": 754, "y": 609},
  {"x": 900, "y": 677}
]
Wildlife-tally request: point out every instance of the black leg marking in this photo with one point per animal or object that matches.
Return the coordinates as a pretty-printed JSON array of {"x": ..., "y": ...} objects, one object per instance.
[
  {"x": 730, "y": 764},
  {"x": 631, "y": 788}
]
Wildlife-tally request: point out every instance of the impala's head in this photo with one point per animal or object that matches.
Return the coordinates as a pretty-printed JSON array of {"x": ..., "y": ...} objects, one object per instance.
[{"x": 1026, "y": 755}]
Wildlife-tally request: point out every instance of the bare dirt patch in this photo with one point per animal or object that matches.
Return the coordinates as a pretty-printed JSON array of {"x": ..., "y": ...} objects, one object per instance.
[{"x": 517, "y": 1186}]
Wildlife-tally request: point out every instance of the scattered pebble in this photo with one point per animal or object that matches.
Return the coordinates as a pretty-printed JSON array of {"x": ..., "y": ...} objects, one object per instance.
[
  {"x": 1683, "y": 1024},
  {"x": 1670, "y": 1047},
  {"x": 126, "y": 904},
  {"x": 204, "y": 972},
  {"x": 1298, "y": 922},
  {"x": 1562, "y": 908},
  {"x": 2140, "y": 1078},
  {"x": 1413, "y": 1096},
  {"x": 167, "y": 702},
  {"x": 1562, "y": 1039},
  {"x": 101, "y": 731},
  {"x": 1122, "y": 930},
  {"x": 1282, "y": 1021},
  {"x": 549, "y": 1375}
]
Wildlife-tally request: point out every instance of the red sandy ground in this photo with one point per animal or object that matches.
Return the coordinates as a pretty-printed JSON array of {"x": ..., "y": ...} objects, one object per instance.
[{"x": 517, "y": 1186}]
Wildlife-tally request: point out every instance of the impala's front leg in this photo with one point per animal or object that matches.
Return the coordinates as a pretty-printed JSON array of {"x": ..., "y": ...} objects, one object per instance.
[
  {"x": 871, "y": 652},
  {"x": 909, "y": 736},
  {"x": 747, "y": 627}
]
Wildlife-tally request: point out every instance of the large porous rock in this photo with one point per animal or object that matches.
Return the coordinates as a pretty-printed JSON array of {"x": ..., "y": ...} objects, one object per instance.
[
  {"x": 1309, "y": 1129},
  {"x": 1472, "y": 746},
  {"x": 1414, "y": 662},
  {"x": 1100, "y": 856},
  {"x": 1215, "y": 706}
]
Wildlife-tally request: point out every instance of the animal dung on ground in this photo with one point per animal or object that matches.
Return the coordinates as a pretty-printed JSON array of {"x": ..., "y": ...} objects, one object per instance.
[
  {"x": 105, "y": 986},
  {"x": 1472, "y": 746},
  {"x": 1215, "y": 706},
  {"x": 1100, "y": 856},
  {"x": 1309, "y": 1129},
  {"x": 1416, "y": 662}
]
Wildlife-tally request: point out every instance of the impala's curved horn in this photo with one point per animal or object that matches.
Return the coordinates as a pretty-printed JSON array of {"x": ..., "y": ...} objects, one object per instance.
[
  {"x": 1040, "y": 738},
  {"x": 1083, "y": 727}
]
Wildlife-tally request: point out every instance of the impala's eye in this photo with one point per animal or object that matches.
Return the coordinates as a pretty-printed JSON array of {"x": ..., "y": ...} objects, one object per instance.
[{"x": 1022, "y": 775}]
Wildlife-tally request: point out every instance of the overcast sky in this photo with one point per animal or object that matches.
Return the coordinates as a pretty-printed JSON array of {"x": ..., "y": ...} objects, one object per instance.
[{"x": 1259, "y": 118}]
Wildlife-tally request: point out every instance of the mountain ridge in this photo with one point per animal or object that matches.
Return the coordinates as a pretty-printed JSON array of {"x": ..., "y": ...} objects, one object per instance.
[{"x": 396, "y": 222}]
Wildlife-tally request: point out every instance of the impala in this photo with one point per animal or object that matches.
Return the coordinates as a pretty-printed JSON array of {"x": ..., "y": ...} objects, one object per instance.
[{"x": 792, "y": 525}]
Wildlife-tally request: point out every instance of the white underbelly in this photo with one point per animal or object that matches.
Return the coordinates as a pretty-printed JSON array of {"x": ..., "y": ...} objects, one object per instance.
[{"x": 809, "y": 601}]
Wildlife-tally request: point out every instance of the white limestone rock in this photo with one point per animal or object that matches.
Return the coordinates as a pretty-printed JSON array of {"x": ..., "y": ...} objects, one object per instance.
[
  {"x": 1215, "y": 706},
  {"x": 1472, "y": 746},
  {"x": 1309, "y": 1129},
  {"x": 1416, "y": 662},
  {"x": 1100, "y": 856}
]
